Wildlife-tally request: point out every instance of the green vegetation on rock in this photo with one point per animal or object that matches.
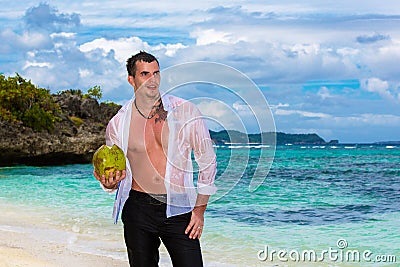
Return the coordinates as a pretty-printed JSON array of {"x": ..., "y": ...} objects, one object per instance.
[
  {"x": 24, "y": 103},
  {"x": 39, "y": 128},
  {"x": 94, "y": 92},
  {"x": 21, "y": 101},
  {"x": 77, "y": 121}
]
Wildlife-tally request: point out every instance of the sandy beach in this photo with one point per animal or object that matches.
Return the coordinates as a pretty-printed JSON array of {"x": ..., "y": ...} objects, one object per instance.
[
  {"x": 27, "y": 239},
  {"x": 27, "y": 243},
  {"x": 20, "y": 249},
  {"x": 35, "y": 238}
]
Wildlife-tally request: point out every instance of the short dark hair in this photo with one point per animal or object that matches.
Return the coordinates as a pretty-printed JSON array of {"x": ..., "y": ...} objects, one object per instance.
[{"x": 141, "y": 56}]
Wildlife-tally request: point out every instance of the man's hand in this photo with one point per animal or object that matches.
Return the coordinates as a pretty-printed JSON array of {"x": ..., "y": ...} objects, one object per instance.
[
  {"x": 196, "y": 224},
  {"x": 110, "y": 182},
  {"x": 195, "y": 227}
]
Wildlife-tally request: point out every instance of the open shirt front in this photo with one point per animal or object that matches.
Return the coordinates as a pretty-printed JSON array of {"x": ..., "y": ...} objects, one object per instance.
[{"x": 187, "y": 132}]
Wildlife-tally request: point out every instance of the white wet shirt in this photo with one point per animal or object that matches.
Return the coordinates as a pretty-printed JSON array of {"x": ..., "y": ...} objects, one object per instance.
[{"x": 187, "y": 132}]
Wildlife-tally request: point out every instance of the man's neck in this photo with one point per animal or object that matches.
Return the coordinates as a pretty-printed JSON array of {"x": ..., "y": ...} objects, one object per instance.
[{"x": 146, "y": 104}]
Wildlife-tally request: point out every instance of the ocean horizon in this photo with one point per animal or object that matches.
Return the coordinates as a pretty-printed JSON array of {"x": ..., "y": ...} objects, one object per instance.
[{"x": 319, "y": 205}]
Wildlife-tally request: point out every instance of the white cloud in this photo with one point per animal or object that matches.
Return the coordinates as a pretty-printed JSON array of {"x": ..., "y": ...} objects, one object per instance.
[
  {"x": 170, "y": 50},
  {"x": 62, "y": 35},
  {"x": 241, "y": 107},
  {"x": 375, "y": 85},
  {"x": 25, "y": 40},
  {"x": 365, "y": 127},
  {"x": 368, "y": 119},
  {"x": 307, "y": 114},
  {"x": 234, "y": 116},
  {"x": 209, "y": 36},
  {"x": 215, "y": 109},
  {"x": 348, "y": 51},
  {"x": 304, "y": 49},
  {"x": 324, "y": 93},
  {"x": 38, "y": 64},
  {"x": 83, "y": 73},
  {"x": 123, "y": 47},
  {"x": 221, "y": 116},
  {"x": 279, "y": 105}
]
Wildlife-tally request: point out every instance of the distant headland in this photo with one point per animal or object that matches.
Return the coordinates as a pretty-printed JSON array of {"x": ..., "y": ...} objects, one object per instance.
[{"x": 268, "y": 138}]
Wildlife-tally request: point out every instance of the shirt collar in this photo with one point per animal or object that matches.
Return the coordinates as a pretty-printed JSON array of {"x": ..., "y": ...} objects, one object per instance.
[{"x": 166, "y": 102}]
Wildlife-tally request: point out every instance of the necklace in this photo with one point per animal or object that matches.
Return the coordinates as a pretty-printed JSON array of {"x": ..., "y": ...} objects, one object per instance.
[{"x": 144, "y": 116}]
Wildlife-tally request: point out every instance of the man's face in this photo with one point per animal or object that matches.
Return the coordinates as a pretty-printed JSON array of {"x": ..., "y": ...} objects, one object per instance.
[{"x": 147, "y": 78}]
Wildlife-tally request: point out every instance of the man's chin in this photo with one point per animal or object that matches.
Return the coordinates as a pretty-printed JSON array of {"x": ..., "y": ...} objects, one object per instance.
[{"x": 153, "y": 93}]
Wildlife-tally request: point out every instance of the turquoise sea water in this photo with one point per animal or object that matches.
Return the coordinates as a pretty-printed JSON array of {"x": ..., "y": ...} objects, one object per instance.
[{"x": 341, "y": 203}]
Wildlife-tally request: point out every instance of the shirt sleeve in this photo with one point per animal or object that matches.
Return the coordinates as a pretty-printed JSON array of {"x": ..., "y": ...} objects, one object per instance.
[
  {"x": 111, "y": 132},
  {"x": 204, "y": 155}
]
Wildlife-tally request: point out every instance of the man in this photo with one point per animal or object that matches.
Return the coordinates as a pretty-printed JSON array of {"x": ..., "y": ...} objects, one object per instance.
[{"x": 156, "y": 192}]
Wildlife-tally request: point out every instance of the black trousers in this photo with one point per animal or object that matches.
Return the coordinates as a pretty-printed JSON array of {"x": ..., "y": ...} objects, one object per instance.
[{"x": 146, "y": 225}]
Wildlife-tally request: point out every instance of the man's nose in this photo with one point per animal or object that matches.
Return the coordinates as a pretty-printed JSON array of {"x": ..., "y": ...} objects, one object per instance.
[{"x": 153, "y": 77}]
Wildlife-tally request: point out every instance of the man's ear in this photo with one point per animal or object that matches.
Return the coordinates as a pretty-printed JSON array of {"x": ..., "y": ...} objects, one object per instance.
[{"x": 131, "y": 80}]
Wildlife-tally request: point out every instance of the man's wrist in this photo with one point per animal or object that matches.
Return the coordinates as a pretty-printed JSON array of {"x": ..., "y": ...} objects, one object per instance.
[
  {"x": 200, "y": 208},
  {"x": 115, "y": 186},
  {"x": 202, "y": 200},
  {"x": 111, "y": 187}
]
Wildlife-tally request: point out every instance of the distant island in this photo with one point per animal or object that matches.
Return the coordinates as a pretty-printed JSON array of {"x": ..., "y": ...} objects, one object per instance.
[
  {"x": 387, "y": 143},
  {"x": 278, "y": 138}
]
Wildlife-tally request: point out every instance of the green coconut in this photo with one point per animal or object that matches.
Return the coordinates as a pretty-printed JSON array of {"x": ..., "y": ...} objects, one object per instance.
[{"x": 108, "y": 159}]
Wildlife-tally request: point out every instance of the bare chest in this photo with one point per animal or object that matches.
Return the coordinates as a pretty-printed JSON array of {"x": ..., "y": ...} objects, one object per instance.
[{"x": 148, "y": 136}]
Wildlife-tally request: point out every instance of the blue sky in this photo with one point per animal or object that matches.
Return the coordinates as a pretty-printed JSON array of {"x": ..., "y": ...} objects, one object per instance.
[{"x": 329, "y": 67}]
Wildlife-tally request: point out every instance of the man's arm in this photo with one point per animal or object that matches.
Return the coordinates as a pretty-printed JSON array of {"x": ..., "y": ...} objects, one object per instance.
[
  {"x": 204, "y": 155},
  {"x": 206, "y": 160}
]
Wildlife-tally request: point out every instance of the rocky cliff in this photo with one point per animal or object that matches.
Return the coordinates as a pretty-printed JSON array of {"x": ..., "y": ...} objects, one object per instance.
[{"x": 77, "y": 134}]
